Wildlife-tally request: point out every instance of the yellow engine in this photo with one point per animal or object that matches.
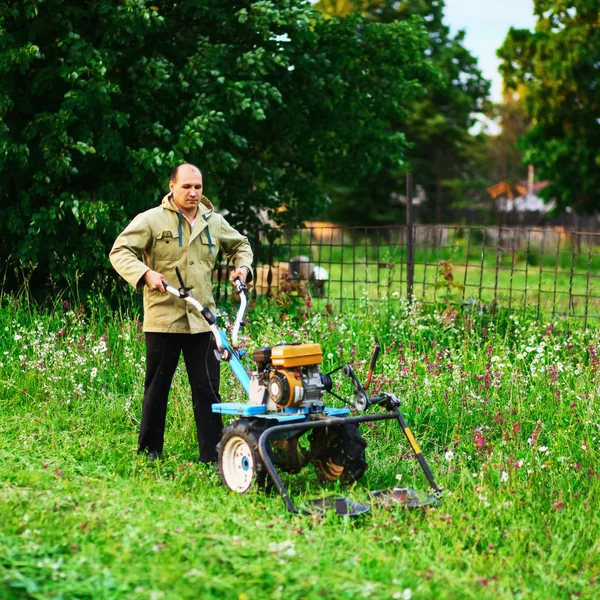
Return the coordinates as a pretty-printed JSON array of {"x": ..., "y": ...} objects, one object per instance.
[{"x": 291, "y": 374}]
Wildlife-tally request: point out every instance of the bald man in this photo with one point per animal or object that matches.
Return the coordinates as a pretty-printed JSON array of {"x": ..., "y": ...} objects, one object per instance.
[{"x": 185, "y": 232}]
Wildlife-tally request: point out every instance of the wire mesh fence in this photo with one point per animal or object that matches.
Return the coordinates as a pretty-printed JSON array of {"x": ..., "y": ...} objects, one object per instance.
[{"x": 549, "y": 270}]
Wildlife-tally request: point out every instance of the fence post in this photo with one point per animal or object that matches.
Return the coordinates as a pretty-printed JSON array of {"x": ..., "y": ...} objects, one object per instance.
[
  {"x": 257, "y": 250},
  {"x": 410, "y": 266},
  {"x": 271, "y": 238}
]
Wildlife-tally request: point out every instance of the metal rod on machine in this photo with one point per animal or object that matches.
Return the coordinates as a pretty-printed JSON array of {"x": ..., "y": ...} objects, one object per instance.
[
  {"x": 336, "y": 421},
  {"x": 415, "y": 447}
]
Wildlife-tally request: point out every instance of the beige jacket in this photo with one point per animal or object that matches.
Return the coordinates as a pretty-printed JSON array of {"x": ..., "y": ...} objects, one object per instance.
[{"x": 161, "y": 239}]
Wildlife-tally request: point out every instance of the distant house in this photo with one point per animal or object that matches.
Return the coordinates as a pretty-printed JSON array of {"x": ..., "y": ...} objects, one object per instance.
[
  {"x": 520, "y": 197},
  {"x": 519, "y": 203}
]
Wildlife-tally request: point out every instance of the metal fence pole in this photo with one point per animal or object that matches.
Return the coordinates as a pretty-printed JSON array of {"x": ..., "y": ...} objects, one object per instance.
[{"x": 410, "y": 265}]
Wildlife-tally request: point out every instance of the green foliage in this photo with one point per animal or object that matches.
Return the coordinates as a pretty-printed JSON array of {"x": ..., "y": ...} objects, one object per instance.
[
  {"x": 100, "y": 100},
  {"x": 436, "y": 125},
  {"x": 558, "y": 66},
  {"x": 489, "y": 159}
]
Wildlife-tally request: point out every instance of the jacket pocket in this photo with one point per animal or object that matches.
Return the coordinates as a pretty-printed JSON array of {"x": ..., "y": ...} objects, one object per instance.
[{"x": 166, "y": 247}]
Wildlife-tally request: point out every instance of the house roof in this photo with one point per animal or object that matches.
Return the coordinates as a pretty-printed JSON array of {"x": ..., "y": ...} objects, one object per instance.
[{"x": 514, "y": 189}]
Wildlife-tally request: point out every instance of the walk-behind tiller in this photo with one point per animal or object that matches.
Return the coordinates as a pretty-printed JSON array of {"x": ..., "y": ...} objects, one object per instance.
[{"x": 285, "y": 400}]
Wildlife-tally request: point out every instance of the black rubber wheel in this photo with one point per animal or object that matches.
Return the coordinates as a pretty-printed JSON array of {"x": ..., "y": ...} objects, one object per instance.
[
  {"x": 339, "y": 453},
  {"x": 239, "y": 464},
  {"x": 288, "y": 455}
]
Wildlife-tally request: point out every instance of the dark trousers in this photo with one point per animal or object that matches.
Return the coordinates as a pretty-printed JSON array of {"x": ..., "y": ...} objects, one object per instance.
[{"x": 162, "y": 355}]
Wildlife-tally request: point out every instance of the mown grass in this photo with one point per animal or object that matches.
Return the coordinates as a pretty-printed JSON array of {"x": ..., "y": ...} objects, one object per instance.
[{"x": 506, "y": 411}]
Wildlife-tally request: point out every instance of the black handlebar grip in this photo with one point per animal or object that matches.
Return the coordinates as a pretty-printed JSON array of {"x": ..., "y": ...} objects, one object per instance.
[
  {"x": 240, "y": 285},
  {"x": 207, "y": 314}
]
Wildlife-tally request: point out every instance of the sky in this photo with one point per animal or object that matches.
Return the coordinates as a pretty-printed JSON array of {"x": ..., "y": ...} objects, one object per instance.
[{"x": 486, "y": 23}]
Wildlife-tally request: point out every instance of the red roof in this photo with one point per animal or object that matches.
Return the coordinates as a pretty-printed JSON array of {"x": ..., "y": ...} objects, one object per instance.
[{"x": 514, "y": 190}]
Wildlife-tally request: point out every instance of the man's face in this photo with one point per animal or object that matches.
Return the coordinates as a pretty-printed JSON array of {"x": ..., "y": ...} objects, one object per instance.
[{"x": 187, "y": 190}]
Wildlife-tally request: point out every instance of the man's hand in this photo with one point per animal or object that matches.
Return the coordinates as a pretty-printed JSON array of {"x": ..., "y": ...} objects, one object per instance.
[
  {"x": 154, "y": 281},
  {"x": 241, "y": 272}
]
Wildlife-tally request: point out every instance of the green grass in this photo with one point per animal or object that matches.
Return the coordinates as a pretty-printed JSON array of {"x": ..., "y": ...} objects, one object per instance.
[{"x": 505, "y": 410}]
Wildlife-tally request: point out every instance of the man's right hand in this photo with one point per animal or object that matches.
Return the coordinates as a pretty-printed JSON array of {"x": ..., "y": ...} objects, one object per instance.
[{"x": 154, "y": 281}]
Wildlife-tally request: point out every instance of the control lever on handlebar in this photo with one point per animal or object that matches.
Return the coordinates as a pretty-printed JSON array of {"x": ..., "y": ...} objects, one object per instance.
[
  {"x": 183, "y": 290},
  {"x": 223, "y": 352}
]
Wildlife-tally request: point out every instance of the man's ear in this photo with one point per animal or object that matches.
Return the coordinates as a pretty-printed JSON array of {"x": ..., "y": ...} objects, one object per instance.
[{"x": 171, "y": 186}]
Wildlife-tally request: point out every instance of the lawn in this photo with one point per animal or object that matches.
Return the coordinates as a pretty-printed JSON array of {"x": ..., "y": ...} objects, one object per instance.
[{"x": 505, "y": 407}]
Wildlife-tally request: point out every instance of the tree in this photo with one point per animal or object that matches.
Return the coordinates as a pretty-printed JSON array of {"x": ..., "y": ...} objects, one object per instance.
[
  {"x": 559, "y": 66},
  {"x": 506, "y": 158},
  {"x": 489, "y": 159},
  {"x": 100, "y": 98},
  {"x": 437, "y": 126}
]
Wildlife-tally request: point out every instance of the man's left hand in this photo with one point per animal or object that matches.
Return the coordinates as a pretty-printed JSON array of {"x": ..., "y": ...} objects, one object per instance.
[{"x": 241, "y": 272}]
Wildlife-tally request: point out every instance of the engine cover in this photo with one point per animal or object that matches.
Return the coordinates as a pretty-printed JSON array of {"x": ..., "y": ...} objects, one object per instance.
[
  {"x": 299, "y": 355},
  {"x": 285, "y": 388}
]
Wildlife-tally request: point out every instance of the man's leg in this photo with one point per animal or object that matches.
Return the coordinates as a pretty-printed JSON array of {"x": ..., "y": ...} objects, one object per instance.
[
  {"x": 162, "y": 356},
  {"x": 203, "y": 371}
]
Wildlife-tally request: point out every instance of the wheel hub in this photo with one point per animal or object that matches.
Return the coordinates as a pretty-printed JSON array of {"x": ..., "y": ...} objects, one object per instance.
[{"x": 238, "y": 464}]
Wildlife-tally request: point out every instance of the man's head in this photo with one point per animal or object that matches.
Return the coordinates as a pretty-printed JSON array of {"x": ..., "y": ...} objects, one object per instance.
[{"x": 186, "y": 188}]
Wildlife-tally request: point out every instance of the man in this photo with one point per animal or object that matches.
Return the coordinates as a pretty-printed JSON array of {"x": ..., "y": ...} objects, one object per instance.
[{"x": 185, "y": 232}]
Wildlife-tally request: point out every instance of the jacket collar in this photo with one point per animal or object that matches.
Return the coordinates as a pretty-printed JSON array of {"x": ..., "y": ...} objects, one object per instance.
[
  {"x": 205, "y": 207},
  {"x": 205, "y": 210}
]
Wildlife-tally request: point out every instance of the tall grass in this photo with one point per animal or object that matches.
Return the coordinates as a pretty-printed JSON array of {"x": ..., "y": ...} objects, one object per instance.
[{"x": 506, "y": 411}]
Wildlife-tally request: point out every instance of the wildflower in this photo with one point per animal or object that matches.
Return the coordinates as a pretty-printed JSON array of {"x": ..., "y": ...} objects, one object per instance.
[
  {"x": 18, "y": 337},
  {"x": 478, "y": 438},
  {"x": 286, "y": 548},
  {"x": 504, "y": 477},
  {"x": 94, "y": 373},
  {"x": 449, "y": 455}
]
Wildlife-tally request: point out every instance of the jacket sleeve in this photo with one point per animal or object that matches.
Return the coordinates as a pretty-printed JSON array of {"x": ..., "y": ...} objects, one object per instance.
[
  {"x": 128, "y": 250},
  {"x": 236, "y": 247}
]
